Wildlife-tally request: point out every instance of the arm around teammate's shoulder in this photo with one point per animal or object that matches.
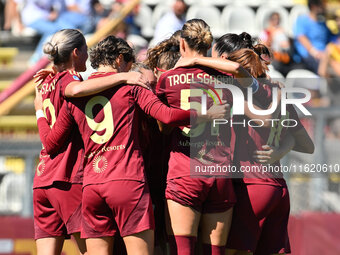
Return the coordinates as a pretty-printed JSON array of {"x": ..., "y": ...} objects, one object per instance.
[{"x": 94, "y": 86}]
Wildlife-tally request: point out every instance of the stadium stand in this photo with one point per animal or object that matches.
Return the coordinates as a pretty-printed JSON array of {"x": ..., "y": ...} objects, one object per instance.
[
  {"x": 152, "y": 2},
  {"x": 144, "y": 20},
  {"x": 275, "y": 75},
  {"x": 208, "y": 13},
  {"x": 298, "y": 78},
  {"x": 236, "y": 19},
  {"x": 253, "y": 3},
  {"x": 158, "y": 12},
  {"x": 219, "y": 3},
  {"x": 285, "y": 3}
]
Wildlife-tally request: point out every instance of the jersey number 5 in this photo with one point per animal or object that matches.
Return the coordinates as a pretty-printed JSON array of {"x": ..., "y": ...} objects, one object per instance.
[{"x": 186, "y": 105}]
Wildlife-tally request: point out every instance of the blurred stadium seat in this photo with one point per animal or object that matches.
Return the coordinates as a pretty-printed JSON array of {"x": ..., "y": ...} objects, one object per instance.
[
  {"x": 285, "y": 3},
  {"x": 170, "y": 2},
  {"x": 275, "y": 75},
  {"x": 151, "y": 2},
  {"x": 210, "y": 14},
  {"x": 249, "y": 2},
  {"x": 303, "y": 78},
  {"x": 144, "y": 20},
  {"x": 221, "y": 3},
  {"x": 158, "y": 12},
  {"x": 237, "y": 19},
  {"x": 263, "y": 13}
]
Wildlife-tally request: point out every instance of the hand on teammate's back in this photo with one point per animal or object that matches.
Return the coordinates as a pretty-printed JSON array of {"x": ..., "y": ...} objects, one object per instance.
[
  {"x": 219, "y": 111},
  {"x": 41, "y": 75},
  {"x": 136, "y": 78},
  {"x": 268, "y": 155}
]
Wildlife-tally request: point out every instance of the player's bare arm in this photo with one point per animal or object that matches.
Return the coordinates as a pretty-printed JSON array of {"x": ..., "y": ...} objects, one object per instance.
[
  {"x": 91, "y": 87},
  {"x": 241, "y": 74}
]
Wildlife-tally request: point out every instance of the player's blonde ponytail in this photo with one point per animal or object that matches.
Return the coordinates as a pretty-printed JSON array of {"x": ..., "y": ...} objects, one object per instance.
[{"x": 196, "y": 33}]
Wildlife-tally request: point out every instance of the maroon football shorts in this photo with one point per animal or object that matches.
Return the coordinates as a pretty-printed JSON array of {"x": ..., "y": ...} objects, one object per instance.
[
  {"x": 116, "y": 205},
  {"x": 57, "y": 210},
  {"x": 260, "y": 219},
  {"x": 205, "y": 195}
]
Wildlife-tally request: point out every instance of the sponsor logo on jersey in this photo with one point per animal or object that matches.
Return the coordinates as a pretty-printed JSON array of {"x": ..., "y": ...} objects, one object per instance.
[
  {"x": 75, "y": 77},
  {"x": 99, "y": 164}
]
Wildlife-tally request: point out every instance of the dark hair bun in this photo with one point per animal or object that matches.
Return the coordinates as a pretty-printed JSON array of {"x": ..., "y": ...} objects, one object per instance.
[{"x": 246, "y": 39}]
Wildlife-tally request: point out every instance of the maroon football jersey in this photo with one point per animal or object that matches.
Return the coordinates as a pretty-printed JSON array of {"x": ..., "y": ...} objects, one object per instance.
[
  {"x": 66, "y": 163},
  {"x": 249, "y": 139},
  {"x": 205, "y": 147},
  {"x": 108, "y": 123}
]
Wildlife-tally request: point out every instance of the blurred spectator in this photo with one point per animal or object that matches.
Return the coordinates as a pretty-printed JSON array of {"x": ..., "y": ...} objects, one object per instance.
[
  {"x": 132, "y": 27},
  {"x": 77, "y": 15},
  {"x": 275, "y": 38},
  {"x": 330, "y": 64},
  {"x": 312, "y": 35},
  {"x": 171, "y": 21},
  {"x": 42, "y": 16},
  {"x": 11, "y": 15},
  {"x": 98, "y": 12},
  {"x": 125, "y": 28},
  {"x": 3, "y": 16}
]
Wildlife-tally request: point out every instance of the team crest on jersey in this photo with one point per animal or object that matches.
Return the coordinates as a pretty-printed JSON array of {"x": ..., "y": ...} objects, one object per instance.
[
  {"x": 99, "y": 164},
  {"x": 75, "y": 77},
  {"x": 41, "y": 167}
]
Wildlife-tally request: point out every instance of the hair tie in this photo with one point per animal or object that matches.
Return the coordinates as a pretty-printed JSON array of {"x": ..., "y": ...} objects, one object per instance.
[
  {"x": 55, "y": 50},
  {"x": 160, "y": 70}
]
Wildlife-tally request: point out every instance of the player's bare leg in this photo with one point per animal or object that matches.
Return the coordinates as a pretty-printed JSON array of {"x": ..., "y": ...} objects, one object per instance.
[
  {"x": 81, "y": 243},
  {"x": 184, "y": 220},
  {"x": 237, "y": 252},
  {"x": 99, "y": 246},
  {"x": 215, "y": 227},
  {"x": 141, "y": 243},
  {"x": 50, "y": 245},
  {"x": 184, "y": 223}
]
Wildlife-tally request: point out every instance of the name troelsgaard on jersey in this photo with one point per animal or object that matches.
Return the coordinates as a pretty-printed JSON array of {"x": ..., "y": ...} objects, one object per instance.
[{"x": 204, "y": 78}]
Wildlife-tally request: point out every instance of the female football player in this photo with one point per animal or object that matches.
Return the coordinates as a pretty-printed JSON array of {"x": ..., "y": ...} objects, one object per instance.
[
  {"x": 261, "y": 214},
  {"x": 205, "y": 198}
]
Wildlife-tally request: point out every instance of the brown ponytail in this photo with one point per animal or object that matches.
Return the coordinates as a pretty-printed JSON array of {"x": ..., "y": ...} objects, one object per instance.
[
  {"x": 251, "y": 61},
  {"x": 169, "y": 47}
]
